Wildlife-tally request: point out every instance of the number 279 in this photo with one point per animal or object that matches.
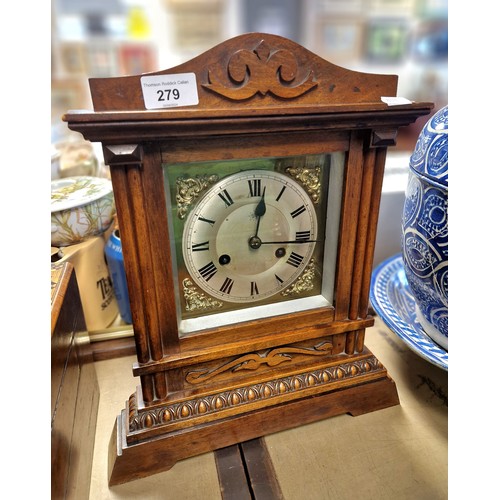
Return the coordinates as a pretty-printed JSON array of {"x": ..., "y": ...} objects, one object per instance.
[{"x": 164, "y": 95}]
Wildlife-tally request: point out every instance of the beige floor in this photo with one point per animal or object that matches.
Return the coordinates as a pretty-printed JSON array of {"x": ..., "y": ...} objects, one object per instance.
[{"x": 396, "y": 453}]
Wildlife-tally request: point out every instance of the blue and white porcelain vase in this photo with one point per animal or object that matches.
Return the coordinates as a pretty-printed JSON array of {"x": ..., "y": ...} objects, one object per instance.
[{"x": 425, "y": 228}]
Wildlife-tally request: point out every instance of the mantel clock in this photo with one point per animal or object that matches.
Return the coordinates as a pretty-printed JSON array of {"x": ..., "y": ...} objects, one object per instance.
[{"x": 247, "y": 183}]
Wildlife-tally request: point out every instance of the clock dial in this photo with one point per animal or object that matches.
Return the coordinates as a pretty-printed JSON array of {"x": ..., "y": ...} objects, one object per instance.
[{"x": 250, "y": 236}]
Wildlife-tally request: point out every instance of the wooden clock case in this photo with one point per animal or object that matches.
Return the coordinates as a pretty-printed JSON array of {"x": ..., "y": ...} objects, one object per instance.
[{"x": 260, "y": 95}]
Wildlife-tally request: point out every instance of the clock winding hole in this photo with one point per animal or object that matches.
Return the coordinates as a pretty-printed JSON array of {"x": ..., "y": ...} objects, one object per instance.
[
  {"x": 280, "y": 252},
  {"x": 224, "y": 259}
]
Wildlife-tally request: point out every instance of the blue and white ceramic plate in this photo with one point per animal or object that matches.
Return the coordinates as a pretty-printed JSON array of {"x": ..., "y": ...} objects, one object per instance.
[{"x": 392, "y": 300}]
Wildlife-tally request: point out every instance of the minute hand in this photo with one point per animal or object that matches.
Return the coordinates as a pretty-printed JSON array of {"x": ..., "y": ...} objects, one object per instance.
[{"x": 290, "y": 241}]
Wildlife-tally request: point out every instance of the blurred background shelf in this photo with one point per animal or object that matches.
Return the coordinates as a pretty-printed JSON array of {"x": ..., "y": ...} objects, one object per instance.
[{"x": 102, "y": 38}]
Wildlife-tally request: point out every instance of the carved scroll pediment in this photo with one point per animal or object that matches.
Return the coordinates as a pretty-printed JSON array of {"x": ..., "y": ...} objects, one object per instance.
[
  {"x": 252, "y": 70},
  {"x": 261, "y": 71}
]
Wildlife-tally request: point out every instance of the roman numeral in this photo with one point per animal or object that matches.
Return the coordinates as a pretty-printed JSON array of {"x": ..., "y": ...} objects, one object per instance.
[
  {"x": 295, "y": 259},
  {"x": 198, "y": 247},
  {"x": 254, "y": 185},
  {"x": 280, "y": 193},
  {"x": 298, "y": 211},
  {"x": 224, "y": 196},
  {"x": 209, "y": 221},
  {"x": 208, "y": 270},
  {"x": 278, "y": 278},
  {"x": 253, "y": 288},
  {"x": 302, "y": 235},
  {"x": 227, "y": 285}
]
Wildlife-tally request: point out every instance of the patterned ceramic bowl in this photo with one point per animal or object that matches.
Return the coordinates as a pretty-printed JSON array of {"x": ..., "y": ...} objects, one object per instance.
[
  {"x": 81, "y": 207},
  {"x": 425, "y": 228}
]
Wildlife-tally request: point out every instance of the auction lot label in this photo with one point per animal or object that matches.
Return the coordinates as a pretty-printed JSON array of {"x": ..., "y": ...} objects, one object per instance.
[{"x": 167, "y": 91}]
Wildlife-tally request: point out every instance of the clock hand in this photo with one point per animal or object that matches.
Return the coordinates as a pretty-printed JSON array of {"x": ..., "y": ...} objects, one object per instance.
[
  {"x": 260, "y": 210},
  {"x": 284, "y": 242}
]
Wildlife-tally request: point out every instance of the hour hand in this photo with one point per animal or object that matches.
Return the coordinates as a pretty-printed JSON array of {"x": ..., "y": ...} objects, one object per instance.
[{"x": 260, "y": 209}]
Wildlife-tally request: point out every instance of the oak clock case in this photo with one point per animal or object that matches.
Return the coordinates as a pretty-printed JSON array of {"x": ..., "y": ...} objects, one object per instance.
[
  {"x": 249, "y": 236},
  {"x": 248, "y": 223}
]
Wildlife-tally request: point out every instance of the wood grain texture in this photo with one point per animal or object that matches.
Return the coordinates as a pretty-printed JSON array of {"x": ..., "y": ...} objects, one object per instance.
[
  {"x": 126, "y": 221},
  {"x": 349, "y": 222},
  {"x": 74, "y": 390},
  {"x": 115, "y": 348},
  {"x": 376, "y": 195},
  {"x": 232, "y": 474},
  {"x": 209, "y": 404},
  {"x": 125, "y": 215},
  {"x": 268, "y": 68},
  {"x": 128, "y": 463},
  {"x": 259, "y": 96},
  {"x": 262, "y": 477},
  {"x": 362, "y": 247},
  {"x": 233, "y": 346}
]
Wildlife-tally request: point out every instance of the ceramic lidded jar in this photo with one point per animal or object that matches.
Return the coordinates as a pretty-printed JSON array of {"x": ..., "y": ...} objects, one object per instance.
[
  {"x": 425, "y": 228},
  {"x": 81, "y": 207}
]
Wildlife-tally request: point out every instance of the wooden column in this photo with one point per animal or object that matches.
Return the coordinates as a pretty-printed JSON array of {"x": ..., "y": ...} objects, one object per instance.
[
  {"x": 349, "y": 219},
  {"x": 147, "y": 267},
  {"x": 376, "y": 195}
]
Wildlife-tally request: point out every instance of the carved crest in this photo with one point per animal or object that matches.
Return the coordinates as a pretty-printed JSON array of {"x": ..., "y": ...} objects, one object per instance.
[
  {"x": 262, "y": 70},
  {"x": 248, "y": 70}
]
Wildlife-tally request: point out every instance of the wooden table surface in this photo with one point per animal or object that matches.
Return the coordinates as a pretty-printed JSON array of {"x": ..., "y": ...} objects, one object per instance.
[{"x": 396, "y": 453}]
